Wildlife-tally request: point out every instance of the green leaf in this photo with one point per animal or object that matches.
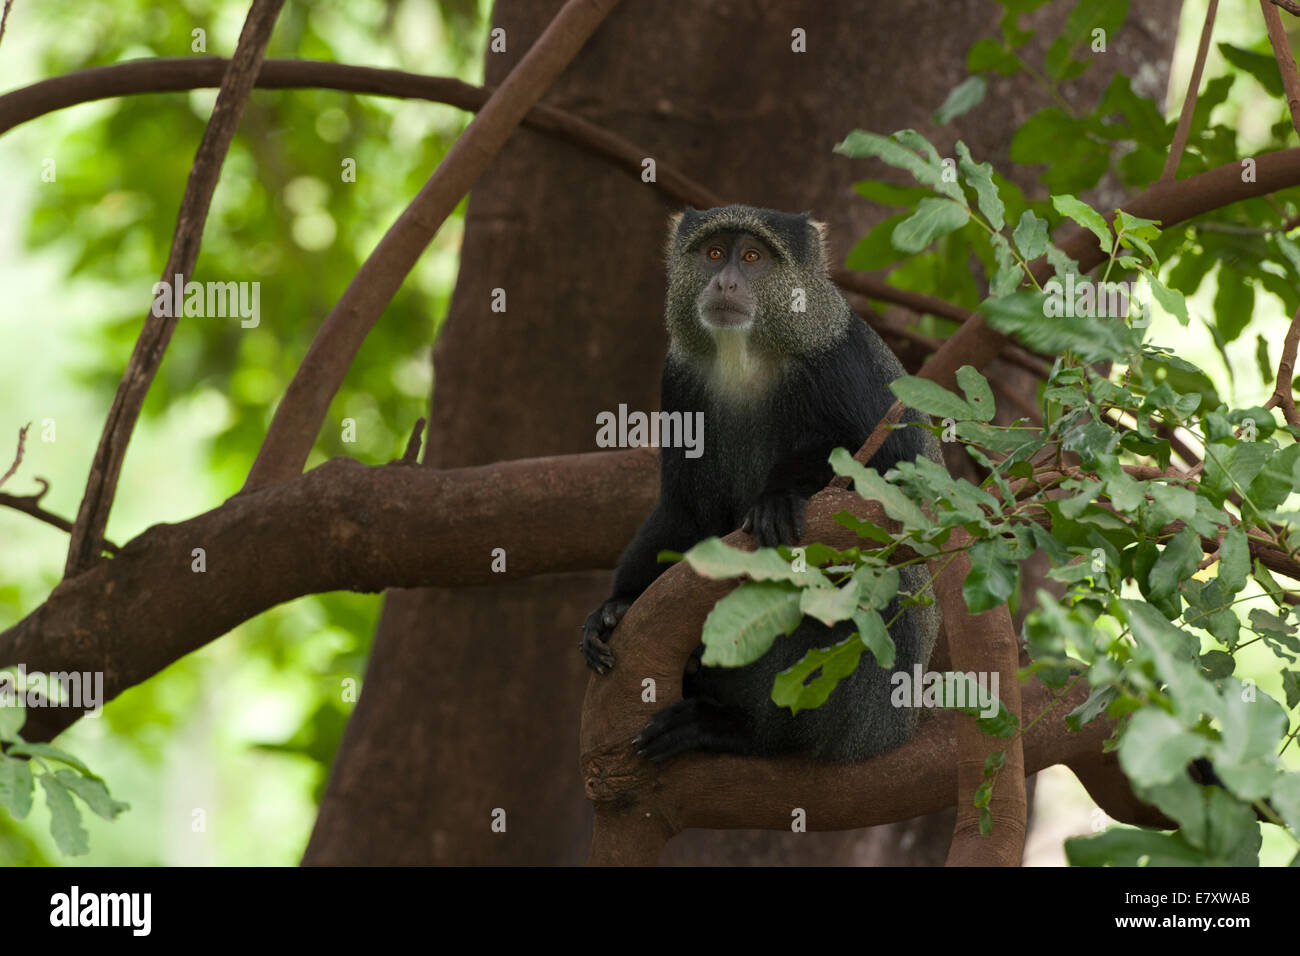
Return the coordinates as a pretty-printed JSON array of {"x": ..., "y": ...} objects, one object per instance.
[
  {"x": 11, "y": 721},
  {"x": 980, "y": 178},
  {"x": 1098, "y": 700},
  {"x": 52, "y": 753},
  {"x": 1122, "y": 846},
  {"x": 1031, "y": 235},
  {"x": 991, "y": 580},
  {"x": 1291, "y": 687},
  {"x": 871, "y": 485},
  {"x": 1234, "y": 559},
  {"x": 1008, "y": 276},
  {"x": 888, "y": 194},
  {"x": 1264, "y": 363},
  {"x": 1276, "y": 479},
  {"x": 65, "y": 819},
  {"x": 742, "y": 626},
  {"x": 1091, "y": 440},
  {"x": 1218, "y": 664},
  {"x": 873, "y": 634},
  {"x": 1261, "y": 66},
  {"x": 15, "y": 786},
  {"x": 931, "y": 398},
  {"x": 1243, "y": 757},
  {"x": 863, "y": 529},
  {"x": 1085, "y": 216},
  {"x": 979, "y": 396},
  {"x": 829, "y": 605},
  {"x": 875, "y": 587},
  {"x": 962, "y": 99},
  {"x": 1170, "y": 300},
  {"x": 933, "y": 218},
  {"x": 94, "y": 793},
  {"x": 793, "y": 687},
  {"x": 1026, "y": 316},
  {"x": 712, "y": 558},
  {"x": 1175, "y": 502},
  {"x": 1234, "y": 303},
  {"x": 1176, "y": 563},
  {"x": 1156, "y": 748},
  {"x": 989, "y": 54},
  {"x": 1286, "y": 800},
  {"x": 876, "y": 249},
  {"x": 903, "y": 151}
]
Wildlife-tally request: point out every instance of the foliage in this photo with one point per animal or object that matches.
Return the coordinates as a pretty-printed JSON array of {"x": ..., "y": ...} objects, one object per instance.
[
  {"x": 19, "y": 776},
  {"x": 1161, "y": 588}
]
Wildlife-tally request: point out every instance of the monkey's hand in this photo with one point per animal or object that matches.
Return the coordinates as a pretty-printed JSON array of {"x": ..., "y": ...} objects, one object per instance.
[
  {"x": 776, "y": 518},
  {"x": 595, "y": 634}
]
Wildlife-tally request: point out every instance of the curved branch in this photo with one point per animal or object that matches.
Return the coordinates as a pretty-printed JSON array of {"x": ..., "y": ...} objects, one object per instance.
[
  {"x": 342, "y": 526},
  {"x": 983, "y": 644},
  {"x": 92, "y": 517},
  {"x": 1283, "y": 396},
  {"x": 299, "y": 415},
  {"x": 1285, "y": 60},
  {"x": 1189, "y": 102}
]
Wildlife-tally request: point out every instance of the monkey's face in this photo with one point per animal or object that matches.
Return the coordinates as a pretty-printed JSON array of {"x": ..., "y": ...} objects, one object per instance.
[
  {"x": 751, "y": 282},
  {"x": 732, "y": 264}
]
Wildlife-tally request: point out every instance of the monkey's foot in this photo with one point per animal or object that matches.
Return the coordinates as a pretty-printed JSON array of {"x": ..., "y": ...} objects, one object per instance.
[
  {"x": 695, "y": 723},
  {"x": 776, "y": 518},
  {"x": 595, "y": 634}
]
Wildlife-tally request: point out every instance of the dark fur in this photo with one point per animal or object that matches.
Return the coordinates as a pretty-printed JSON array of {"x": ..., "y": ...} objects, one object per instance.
[{"x": 763, "y": 457}]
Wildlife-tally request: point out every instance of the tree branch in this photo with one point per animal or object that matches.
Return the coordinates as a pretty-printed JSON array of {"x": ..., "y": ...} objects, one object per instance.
[
  {"x": 1285, "y": 61},
  {"x": 342, "y": 526},
  {"x": 106, "y": 467},
  {"x": 298, "y": 417},
  {"x": 1189, "y": 103},
  {"x": 18, "y": 455},
  {"x": 1283, "y": 396},
  {"x": 983, "y": 644},
  {"x": 31, "y": 505}
]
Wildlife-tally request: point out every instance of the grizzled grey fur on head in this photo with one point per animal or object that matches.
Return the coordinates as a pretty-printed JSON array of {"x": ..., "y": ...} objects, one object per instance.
[{"x": 799, "y": 245}]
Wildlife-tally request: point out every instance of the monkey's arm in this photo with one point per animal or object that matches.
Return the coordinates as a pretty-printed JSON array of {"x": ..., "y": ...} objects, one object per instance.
[
  {"x": 666, "y": 529},
  {"x": 670, "y": 527},
  {"x": 776, "y": 517}
]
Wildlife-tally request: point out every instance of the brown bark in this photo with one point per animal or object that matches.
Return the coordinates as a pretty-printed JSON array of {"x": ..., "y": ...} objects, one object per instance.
[{"x": 755, "y": 128}]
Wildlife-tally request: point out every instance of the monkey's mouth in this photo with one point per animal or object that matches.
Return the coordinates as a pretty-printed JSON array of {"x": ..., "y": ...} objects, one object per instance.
[{"x": 726, "y": 317}]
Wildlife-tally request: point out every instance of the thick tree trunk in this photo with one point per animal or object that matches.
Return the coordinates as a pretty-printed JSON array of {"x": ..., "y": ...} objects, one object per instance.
[{"x": 472, "y": 697}]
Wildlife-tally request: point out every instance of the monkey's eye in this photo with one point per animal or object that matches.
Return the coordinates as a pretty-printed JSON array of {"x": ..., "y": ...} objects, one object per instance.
[
  {"x": 751, "y": 255},
  {"x": 714, "y": 253}
]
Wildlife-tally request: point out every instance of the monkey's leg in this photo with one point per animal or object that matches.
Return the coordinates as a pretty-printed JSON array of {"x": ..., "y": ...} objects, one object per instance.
[{"x": 695, "y": 723}]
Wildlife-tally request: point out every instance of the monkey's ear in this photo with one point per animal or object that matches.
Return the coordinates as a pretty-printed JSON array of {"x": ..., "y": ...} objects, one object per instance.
[
  {"x": 670, "y": 242},
  {"x": 823, "y": 231}
]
